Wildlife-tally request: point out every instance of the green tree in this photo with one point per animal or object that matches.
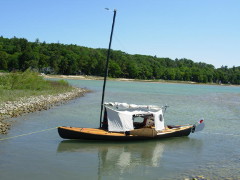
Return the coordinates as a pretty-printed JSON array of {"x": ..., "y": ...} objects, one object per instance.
[
  {"x": 18, "y": 53},
  {"x": 114, "y": 69},
  {"x": 3, "y": 60}
]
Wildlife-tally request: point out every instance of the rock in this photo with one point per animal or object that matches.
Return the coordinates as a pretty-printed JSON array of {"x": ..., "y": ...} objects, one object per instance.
[{"x": 36, "y": 103}]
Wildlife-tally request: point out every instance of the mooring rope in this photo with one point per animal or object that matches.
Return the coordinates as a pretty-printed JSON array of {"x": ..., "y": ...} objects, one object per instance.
[
  {"x": 27, "y": 134},
  {"x": 2, "y": 139}
]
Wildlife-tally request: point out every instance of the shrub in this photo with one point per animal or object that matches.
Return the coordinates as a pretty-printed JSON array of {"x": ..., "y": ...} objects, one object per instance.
[{"x": 29, "y": 80}]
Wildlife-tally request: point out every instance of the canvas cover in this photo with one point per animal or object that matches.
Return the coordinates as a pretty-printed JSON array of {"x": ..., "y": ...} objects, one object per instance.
[
  {"x": 119, "y": 121},
  {"x": 120, "y": 115}
]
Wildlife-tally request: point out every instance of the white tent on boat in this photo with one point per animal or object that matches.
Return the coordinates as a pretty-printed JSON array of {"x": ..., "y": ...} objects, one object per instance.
[{"x": 120, "y": 116}]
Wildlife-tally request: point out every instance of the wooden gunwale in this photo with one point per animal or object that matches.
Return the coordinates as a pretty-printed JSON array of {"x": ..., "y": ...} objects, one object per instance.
[{"x": 97, "y": 131}]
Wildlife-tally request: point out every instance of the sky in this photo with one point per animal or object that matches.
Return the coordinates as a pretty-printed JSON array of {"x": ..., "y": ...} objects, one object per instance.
[{"x": 201, "y": 30}]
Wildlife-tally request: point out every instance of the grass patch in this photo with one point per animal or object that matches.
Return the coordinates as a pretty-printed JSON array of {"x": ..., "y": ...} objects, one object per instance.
[{"x": 25, "y": 84}]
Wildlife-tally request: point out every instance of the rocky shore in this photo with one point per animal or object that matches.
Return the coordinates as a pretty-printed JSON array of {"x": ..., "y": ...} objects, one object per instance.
[{"x": 11, "y": 109}]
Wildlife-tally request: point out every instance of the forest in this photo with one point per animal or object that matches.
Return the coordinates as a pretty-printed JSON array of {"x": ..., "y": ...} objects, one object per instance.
[{"x": 19, "y": 54}]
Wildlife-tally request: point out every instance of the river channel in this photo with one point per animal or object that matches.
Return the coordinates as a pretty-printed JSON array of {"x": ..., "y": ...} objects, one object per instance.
[{"x": 213, "y": 153}]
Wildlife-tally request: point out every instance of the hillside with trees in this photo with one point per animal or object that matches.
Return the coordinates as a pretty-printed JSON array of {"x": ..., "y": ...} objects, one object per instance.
[{"x": 18, "y": 54}]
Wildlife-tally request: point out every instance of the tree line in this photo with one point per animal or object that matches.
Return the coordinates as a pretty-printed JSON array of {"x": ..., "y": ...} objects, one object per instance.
[{"x": 55, "y": 58}]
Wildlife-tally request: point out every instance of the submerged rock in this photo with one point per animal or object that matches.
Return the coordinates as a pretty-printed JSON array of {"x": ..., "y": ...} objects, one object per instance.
[{"x": 196, "y": 178}]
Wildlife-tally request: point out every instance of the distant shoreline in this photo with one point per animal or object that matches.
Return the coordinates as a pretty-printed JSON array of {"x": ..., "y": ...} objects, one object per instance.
[{"x": 86, "y": 77}]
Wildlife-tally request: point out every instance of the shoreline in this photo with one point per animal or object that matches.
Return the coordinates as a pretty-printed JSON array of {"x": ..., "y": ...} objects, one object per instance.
[
  {"x": 86, "y": 77},
  {"x": 12, "y": 109}
]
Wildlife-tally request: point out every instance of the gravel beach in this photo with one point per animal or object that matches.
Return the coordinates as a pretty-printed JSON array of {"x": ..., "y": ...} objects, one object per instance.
[{"x": 11, "y": 109}]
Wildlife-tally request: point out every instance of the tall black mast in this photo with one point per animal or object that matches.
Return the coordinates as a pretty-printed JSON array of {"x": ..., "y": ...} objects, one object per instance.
[{"x": 106, "y": 67}]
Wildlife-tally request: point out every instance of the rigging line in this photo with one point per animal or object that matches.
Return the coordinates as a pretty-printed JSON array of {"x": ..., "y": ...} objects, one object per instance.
[
  {"x": 124, "y": 49},
  {"x": 27, "y": 134}
]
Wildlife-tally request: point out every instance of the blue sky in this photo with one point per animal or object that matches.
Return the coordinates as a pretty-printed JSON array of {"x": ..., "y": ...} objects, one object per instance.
[{"x": 201, "y": 30}]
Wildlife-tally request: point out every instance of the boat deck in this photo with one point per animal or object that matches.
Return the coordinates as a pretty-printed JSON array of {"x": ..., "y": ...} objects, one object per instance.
[
  {"x": 171, "y": 130},
  {"x": 94, "y": 131}
]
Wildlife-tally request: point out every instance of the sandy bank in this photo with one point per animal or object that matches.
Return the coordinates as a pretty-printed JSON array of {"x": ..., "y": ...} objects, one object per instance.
[
  {"x": 79, "y": 77},
  {"x": 85, "y": 77},
  {"x": 36, "y": 103}
]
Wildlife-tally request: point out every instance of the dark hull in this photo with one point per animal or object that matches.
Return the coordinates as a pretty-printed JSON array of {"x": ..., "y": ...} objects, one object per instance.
[{"x": 72, "y": 134}]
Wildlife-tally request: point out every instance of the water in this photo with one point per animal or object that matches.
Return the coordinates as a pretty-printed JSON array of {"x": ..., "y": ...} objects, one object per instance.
[{"x": 213, "y": 153}]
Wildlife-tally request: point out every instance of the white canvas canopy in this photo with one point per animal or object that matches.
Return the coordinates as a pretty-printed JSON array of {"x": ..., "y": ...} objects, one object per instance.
[{"x": 120, "y": 115}]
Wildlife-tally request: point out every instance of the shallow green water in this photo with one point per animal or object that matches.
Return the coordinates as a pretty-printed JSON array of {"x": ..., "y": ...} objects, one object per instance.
[{"x": 213, "y": 153}]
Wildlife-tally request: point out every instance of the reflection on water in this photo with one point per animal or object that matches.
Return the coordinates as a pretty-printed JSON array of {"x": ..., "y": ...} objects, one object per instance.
[
  {"x": 127, "y": 154},
  {"x": 125, "y": 157}
]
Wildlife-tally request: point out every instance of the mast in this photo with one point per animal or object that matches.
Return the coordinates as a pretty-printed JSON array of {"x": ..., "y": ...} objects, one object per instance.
[{"x": 106, "y": 67}]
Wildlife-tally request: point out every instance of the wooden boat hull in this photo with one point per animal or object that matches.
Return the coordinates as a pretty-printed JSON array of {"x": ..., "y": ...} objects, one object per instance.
[{"x": 100, "y": 134}]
